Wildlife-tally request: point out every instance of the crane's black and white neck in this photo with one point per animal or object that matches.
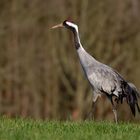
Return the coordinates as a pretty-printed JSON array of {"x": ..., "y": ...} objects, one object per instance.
[{"x": 74, "y": 28}]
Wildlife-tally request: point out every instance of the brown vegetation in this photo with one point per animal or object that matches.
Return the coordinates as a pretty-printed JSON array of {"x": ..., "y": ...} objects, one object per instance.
[{"x": 40, "y": 75}]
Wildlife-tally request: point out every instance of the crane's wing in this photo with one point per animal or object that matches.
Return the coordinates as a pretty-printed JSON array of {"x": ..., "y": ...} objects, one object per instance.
[{"x": 104, "y": 78}]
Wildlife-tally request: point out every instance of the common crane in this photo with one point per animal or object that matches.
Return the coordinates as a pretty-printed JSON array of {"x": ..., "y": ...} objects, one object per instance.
[{"x": 102, "y": 78}]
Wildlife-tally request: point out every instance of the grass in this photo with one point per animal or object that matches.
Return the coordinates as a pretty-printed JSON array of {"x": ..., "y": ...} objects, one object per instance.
[{"x": 23, "y": 129}]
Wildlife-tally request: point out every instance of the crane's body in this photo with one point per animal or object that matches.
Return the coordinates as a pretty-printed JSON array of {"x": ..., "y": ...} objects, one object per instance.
[{"x": 102, "y": 78}]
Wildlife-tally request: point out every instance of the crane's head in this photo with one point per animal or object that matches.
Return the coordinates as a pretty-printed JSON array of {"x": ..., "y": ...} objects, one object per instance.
[{"x": 67, "y": 24}]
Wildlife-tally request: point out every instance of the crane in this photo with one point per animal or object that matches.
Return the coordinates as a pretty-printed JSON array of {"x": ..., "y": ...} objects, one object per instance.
[{"x": 102, "y": 78}]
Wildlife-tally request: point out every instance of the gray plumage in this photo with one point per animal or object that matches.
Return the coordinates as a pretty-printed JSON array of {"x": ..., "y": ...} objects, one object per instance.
[
  {"x": 102, "y": 78},
  {"x": 105, "y": 80}
]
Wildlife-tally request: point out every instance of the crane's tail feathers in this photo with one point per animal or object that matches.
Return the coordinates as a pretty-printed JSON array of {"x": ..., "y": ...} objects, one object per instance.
[
  {"x": 132, "y": 96},
  {"x": 135, "y": 89},
  {"x": 138, "y": 107}
]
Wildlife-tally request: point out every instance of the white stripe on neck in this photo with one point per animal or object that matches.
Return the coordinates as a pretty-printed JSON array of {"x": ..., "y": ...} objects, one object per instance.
[{"x": 72, "y": 25}]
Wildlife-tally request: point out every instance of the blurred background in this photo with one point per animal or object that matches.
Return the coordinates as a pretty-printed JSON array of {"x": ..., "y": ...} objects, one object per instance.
[{"x": 40, "y": 74}]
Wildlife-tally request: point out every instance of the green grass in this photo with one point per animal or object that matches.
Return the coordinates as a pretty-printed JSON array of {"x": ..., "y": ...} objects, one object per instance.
[{"x": 23, "y": 129}]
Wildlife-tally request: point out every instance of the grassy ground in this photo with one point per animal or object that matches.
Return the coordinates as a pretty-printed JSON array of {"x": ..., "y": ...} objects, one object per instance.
[{"x": 19, "y": 129}]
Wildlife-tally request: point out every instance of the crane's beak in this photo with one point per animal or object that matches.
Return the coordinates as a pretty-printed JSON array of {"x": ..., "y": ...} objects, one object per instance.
[{"x": 57, "y": 26}]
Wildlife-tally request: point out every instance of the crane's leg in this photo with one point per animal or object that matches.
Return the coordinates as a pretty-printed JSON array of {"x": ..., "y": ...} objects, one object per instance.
[
  {"x": 91, "y": 113},
  {"x": 114, "y": 111},
  {"x": 115, "y": 115},
  {"x": 93, "y": 110}
]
